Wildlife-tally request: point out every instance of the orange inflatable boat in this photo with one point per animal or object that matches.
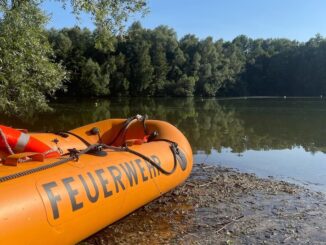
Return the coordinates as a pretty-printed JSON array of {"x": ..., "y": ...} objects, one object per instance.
[{"x": 60, "y": 188}]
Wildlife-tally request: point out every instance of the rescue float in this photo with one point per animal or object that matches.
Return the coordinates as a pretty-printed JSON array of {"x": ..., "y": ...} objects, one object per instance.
[{"x": 60, "y": 188}]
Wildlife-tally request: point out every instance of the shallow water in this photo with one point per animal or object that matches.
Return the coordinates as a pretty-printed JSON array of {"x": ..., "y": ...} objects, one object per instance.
[{"x": 285, "y": 139}]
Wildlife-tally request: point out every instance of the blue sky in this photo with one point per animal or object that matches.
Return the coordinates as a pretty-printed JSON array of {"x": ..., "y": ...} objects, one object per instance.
[{"x": 294, "y": 19}]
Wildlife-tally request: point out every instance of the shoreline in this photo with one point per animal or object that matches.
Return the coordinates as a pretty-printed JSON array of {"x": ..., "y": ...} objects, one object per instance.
[{"x": 221, "y": 205}]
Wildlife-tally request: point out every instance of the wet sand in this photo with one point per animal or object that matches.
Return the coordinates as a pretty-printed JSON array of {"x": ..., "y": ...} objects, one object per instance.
[{"x": 218, "y": 205}]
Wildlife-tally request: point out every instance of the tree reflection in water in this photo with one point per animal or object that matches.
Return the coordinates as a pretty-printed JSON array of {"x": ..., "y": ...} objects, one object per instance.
[{"x": 208, "y": 123}]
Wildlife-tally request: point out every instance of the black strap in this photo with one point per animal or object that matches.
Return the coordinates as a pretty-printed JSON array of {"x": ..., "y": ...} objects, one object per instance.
[
  {"x": 45, "y": 167},
  {"x": 75, "y": 135},
  {"x": 174, "y": 150},
  {"x": 126, "y": 125},
  {"x": 74, "y": 156}
]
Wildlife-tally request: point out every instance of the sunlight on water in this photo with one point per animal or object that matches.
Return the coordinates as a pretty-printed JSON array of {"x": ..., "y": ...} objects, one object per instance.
[
  {"x": 285, "y": 139},
  {"x": 294, "y": 165}
]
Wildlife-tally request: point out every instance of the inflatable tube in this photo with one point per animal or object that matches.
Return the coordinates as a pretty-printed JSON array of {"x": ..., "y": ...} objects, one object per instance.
[{"x": 64, "y": 200}]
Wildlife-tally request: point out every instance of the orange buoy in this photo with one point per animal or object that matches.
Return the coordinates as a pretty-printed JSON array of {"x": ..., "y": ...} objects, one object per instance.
[
  {"x": 22, "y": 142},
  {"x": 64, "y": 200}
]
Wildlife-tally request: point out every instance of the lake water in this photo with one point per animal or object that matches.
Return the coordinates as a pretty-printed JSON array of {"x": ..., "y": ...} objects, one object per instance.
[{"x": 282, "y": 138}]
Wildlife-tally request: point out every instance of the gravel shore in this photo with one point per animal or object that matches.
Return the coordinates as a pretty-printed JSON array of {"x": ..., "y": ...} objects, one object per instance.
[{"x": 218, "y": 205}]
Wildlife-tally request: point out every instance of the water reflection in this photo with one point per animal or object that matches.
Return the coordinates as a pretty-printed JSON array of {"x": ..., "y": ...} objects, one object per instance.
[
  {"x": 209, "y": 124},
  {"x": 282, "y": 138}
]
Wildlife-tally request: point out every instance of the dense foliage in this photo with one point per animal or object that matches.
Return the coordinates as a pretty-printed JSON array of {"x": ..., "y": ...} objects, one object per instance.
[
  {"x": 29, "y": 76},
  {"x": 147, "y": 62},
  {"x": 109, "y": 15}
]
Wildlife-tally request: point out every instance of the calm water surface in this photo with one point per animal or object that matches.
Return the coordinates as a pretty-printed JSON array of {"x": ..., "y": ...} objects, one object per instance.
[{"x": 285, "y": 139}]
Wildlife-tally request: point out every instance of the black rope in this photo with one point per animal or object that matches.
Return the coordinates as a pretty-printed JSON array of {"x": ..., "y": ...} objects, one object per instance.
[
  {"x": 45, "y": 167},
  {"x": 174, "y": 151},
  {"x": 144, "y": 118},
  {"x": 125, "y": 126},
  {"x": 165, "y": 140},
  {"x": 75, "y": 135},
  {"x": 75, "y": 154}
]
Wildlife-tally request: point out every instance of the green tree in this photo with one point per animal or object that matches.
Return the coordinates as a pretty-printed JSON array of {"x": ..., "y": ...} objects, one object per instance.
[
  {"x": 120, "y": 84},
  {"x": 210, "y": 73},
  {"x": 185, "y": 86},
  {"x": 155, "y": 63},
  {"x": 138, "y": 51},
  {"x": 189, "y": 45},
  {"x": 93, "y": 82},
  {"x": 28, "y": 76},
  {"x": 159, "y": 59},
  {"x": 27, "y": 73},
  {"x": 108, "y": 15}
]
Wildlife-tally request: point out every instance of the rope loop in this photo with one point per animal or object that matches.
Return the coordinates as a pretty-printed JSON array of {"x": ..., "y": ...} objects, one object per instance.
[
  {"x": 5, "y": 141},
  {"x": 74, "y": 154}
]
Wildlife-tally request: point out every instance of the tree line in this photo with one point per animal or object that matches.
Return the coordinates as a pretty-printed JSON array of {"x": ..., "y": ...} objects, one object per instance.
[
  {"x": 29, "y": 75},
  {"x": 154, "y": 62},
  {"x": 38, "y": 64}
]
